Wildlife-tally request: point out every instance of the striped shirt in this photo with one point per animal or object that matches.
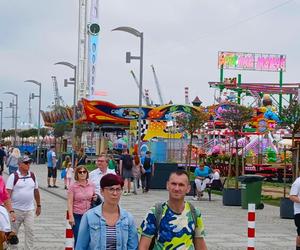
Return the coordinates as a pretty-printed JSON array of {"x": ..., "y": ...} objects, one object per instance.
[{"x": 111, "y": 238}]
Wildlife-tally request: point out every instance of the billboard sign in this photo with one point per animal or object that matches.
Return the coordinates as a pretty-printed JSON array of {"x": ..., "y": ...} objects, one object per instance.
[{"x": 251, "y": 61}]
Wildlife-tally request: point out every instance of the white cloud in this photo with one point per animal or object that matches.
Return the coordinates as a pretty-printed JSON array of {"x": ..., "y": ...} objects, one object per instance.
[{"x": 182, "y": 39}]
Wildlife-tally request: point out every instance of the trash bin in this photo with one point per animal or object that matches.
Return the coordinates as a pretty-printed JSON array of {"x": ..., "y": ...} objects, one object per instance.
[{"x": 251, "y": 190}]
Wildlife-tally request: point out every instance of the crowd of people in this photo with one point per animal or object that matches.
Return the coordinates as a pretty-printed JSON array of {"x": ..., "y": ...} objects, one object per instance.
[
  {"x": 97, "y": 219},
  {"x": 93, "y": 201}
]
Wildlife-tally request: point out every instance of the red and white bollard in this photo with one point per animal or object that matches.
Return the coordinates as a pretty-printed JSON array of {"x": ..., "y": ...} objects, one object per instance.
[
  {"x": 69, "y": 243},
  {"x": 251, "y": 227}
]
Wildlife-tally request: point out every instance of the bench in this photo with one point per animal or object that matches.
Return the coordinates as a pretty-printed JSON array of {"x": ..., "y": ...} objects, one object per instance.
[{"x": 217, "y": 185}]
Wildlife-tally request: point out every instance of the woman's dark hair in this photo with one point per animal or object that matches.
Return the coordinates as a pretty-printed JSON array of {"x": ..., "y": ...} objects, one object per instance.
[{"x": 109, "y": 180}]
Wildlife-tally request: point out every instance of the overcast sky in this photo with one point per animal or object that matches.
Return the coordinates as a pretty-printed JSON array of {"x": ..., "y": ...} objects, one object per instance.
[{"x": 181, "y": 39}]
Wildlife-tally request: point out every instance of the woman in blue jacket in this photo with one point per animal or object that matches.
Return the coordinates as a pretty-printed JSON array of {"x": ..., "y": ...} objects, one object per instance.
[{"x": 108, "y": 226}]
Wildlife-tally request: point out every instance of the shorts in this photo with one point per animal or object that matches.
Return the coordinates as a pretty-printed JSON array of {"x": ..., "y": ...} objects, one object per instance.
[
  {"x": 297, "y": 223},
  {"x": 127, "y": 173},
  {"x": 4, "y": 220},
  {"x": 52, "y": 172}
]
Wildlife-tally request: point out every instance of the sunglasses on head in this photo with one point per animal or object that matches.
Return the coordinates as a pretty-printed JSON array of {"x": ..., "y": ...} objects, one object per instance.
[{"x": 82, "y": 172}]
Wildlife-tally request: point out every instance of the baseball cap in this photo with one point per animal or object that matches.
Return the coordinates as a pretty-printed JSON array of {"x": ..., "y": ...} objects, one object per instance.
[{"x": 24, "y": 159}]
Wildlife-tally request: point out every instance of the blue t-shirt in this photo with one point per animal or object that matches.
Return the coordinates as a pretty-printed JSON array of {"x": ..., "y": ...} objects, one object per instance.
[
  {"x": 50, "y": 155},
  {"x": 203, "y": 172},
  {"x": 151, "y": 163}
]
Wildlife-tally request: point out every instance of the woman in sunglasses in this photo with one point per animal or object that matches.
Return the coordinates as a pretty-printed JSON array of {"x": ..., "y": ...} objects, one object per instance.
[
  {"x": 80, "y": 195},
  {"x": 108, "y": 226}
]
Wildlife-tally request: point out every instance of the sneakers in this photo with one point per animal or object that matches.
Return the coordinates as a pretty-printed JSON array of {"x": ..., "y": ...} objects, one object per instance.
[
  {"x": 55, "y": 186},
  {"x": 195, "y": 198},
  {"x": 49, "y": 186}
]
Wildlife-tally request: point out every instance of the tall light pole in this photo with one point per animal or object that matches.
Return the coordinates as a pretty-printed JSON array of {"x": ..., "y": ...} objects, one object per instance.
[
  {"x": 128, "y": 59},
  {"x": 16, "y": 114},
  {"x": 71, "y": 81},
  {"x": 1, "y": 119},
  {"x": 39, "y": 117}
]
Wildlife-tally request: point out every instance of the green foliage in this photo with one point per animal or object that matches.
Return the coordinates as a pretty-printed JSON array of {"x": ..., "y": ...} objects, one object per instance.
[
  {"x": 236, "y": 116},
  {"x": 189, "y": 123},
  {"x": 8, "y": 133},
  {"x": 290, "y": 117},
  {"x": 60, "y": 129},
  {"x": 44, "y": 132}
]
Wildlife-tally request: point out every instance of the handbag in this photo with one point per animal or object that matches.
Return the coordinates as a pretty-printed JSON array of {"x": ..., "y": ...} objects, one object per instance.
[
  {"x": 63, "y": 173},
  {"x": 97, "y": 202}
]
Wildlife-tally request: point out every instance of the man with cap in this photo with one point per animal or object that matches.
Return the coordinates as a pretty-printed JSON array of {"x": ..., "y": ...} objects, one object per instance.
[{"x": 23, "y": 189}]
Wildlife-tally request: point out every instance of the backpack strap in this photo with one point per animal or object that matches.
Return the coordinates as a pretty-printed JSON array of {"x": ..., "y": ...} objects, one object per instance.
[
  {"x": 158, "y": 214},
  {"x": 194, "y": 214},
  {"x": 16, "y": 178},
  {"x": 32, "y": 176}
]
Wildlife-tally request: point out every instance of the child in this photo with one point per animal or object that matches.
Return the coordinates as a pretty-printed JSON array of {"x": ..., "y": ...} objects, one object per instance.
[
  {"x": 69, "y": 174},
  {"x": 64, "y": 167}
]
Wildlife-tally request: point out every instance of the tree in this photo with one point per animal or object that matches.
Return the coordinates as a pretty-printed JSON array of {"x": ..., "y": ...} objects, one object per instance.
[
  {"x": 190, "y": 122},
  {"x": 290, "y": 117},
  {"x": 23, "y": 134},
  {"x": 59, "y": 131},
  {"x": 236, "y": 116},
  {"x": 43, "y": 133},
  {"x": 80, "y": 128}
]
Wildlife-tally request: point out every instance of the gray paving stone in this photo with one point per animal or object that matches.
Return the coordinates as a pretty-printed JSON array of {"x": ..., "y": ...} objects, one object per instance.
[{"x": 226, "y": 227}]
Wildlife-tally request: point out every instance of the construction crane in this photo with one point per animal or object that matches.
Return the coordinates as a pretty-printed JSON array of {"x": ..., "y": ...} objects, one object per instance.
[
  {"x": 146, "y": 97},
  {"x": 58, "y": 101},
  {"x": 157, "y": 86}
]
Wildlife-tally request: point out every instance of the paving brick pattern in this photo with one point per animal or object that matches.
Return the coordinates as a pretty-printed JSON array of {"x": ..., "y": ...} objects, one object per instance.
[{"x": 226, "y": 227}]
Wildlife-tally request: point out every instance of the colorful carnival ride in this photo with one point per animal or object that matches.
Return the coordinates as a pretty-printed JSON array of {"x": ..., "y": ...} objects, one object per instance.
[{"x": 258, "y": 142}]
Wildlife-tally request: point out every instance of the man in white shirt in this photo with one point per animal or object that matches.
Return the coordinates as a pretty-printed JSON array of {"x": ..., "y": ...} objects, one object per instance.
[
  {"x": 102, "y": 169},
  {"x": 23, "y": 189},
  {"x": 295, "y": 197}
]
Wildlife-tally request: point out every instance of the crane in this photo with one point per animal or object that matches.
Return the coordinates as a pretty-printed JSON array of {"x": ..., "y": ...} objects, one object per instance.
[
  {"x": 58, "y": 101},
  {"x": 157, "y": 86},
  {"x": 146, "y": 95}
]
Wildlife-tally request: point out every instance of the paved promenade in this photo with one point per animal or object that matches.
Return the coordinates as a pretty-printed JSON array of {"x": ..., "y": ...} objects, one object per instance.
[{"x": 226, "y": 227}]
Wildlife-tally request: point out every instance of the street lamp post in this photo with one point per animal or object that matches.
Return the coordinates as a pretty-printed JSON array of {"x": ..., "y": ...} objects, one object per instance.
[
  {"x": 16, "y": 115},
  {"x": 71, "y": 81},
  {"x": 39, "y": 117},
  {"x": 128, "y": 59}
]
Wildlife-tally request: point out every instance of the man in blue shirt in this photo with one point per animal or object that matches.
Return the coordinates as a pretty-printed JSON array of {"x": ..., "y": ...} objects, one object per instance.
[
  {"x": 148, "y": 171},
  {"x": 201, "y": 179},
  {"x": 51, "y": 164}
]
